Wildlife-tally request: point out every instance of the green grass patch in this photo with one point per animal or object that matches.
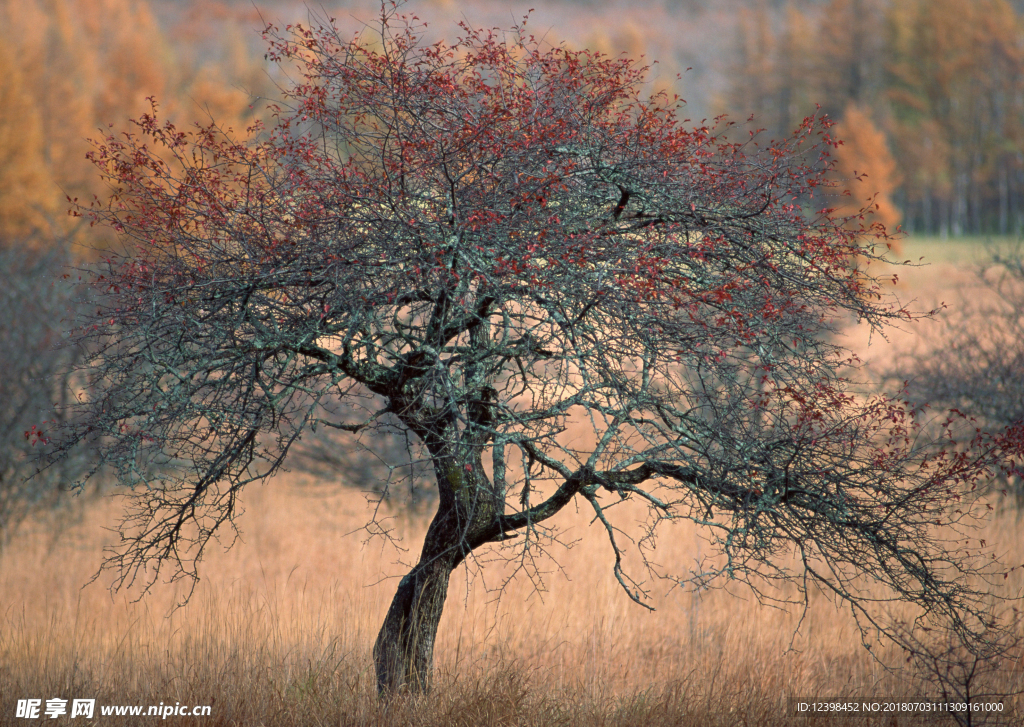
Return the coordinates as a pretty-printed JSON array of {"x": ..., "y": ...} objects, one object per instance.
[{"x": 970, "y": 249}]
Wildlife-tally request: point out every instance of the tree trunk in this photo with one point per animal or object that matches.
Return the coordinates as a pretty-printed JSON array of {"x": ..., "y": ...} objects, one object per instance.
[{"x": 404, "y": 651}]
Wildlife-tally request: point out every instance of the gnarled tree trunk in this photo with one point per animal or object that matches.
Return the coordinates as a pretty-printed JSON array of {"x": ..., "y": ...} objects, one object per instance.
[{"x": 404, "y": 651}]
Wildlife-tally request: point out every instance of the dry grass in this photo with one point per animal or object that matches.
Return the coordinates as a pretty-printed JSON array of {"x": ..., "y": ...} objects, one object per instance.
[{"x": 280, "y": 631}]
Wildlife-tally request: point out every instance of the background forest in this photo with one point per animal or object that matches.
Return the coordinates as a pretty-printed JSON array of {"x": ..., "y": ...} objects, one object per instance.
[
  {"x": 929, "y": 100},
  {"x": 929, "y": 94}
]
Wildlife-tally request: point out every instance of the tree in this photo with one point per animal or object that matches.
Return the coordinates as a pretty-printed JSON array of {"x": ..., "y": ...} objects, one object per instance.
[
  {"x": 769, "y": 78},
  {"x": 849, "y": 54},
  {"x": 34, "y": 308},
  {"x": 865, "y": 169},
  {"x": 386, "y": 461},
  {"x": 23, "y": 201},
  {"x": 488, "y": 242},
  {"x": 975, "y": 362}
]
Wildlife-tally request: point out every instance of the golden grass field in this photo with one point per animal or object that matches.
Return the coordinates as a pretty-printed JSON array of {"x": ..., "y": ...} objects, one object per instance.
[{"x": 280, "y": 630}]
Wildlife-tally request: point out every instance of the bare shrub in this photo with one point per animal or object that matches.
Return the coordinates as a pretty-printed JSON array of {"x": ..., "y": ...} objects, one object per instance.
[
  {"x": 36, "y": 377},
  {"x": 972, "y": 360}
]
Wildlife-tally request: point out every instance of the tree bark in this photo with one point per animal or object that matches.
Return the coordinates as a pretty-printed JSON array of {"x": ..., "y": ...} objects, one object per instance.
[{"x": 404, "y": 651}]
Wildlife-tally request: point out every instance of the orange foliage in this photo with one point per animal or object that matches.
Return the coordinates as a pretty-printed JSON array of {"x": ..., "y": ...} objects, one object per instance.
[
  {"x": 865, "y": 169},
  {"x": 23, "y": 177},
  {"x": 68, "y": 69}
]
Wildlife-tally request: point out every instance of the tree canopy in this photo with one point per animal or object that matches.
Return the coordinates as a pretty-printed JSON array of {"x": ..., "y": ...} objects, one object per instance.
[{"x": 486, "y": 243}]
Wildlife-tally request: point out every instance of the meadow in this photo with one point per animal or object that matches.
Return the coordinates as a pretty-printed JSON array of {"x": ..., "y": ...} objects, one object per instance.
[{"x": 281, "y": 627}]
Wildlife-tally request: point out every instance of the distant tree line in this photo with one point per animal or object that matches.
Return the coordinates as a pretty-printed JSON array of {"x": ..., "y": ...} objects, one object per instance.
[
  {"x": 68, "y": 68},
  {"x": 941, "y": 80}
]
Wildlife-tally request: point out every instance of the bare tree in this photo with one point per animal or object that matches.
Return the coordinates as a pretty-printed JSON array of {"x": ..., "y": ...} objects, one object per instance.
[
  {"x": 558, "y": 288},
  {"x": 975, "y": 362},
  {"x": 973, "y": 682},
  {"x": 36, "y": 304}
]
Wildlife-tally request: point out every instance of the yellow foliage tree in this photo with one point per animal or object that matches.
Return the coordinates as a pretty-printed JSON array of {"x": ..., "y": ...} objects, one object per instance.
[
  {"x": 71, "y": 67},
  {"x": 865, "y": 169},
  {"x": 24, "y": 199}
]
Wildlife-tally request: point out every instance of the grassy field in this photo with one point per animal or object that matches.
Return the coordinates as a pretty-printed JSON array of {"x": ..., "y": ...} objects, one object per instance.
[
  {"x": 960, "y": 250},
  {"x": 280, "y": 630}
]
